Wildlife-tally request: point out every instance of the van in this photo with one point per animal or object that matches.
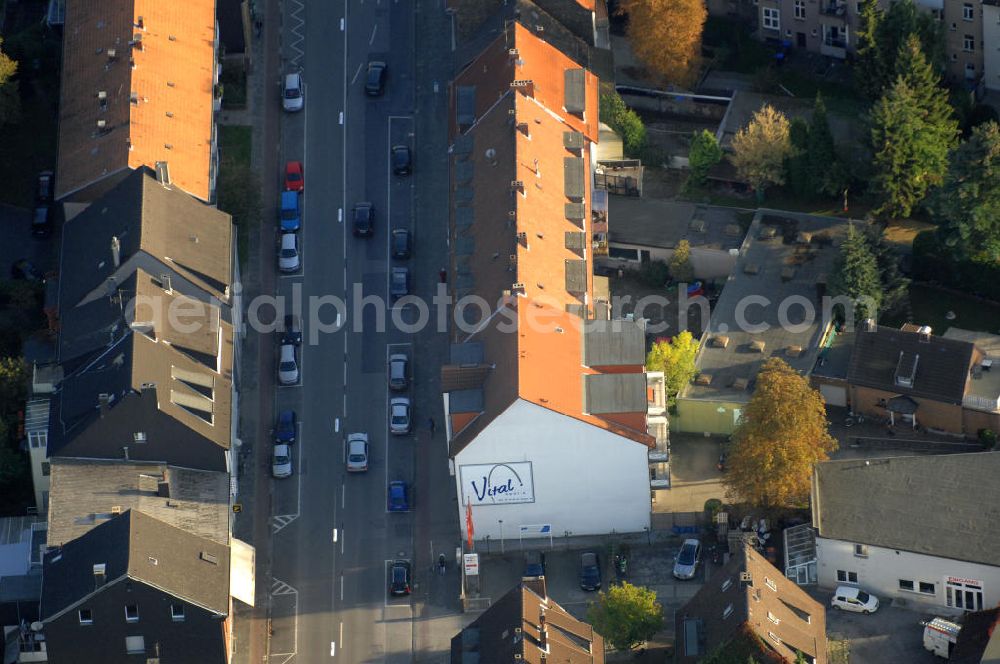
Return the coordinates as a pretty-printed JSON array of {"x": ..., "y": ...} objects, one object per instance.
[
  {"x": 290, "y": 216},
  {"x": 940, "y": 636}
]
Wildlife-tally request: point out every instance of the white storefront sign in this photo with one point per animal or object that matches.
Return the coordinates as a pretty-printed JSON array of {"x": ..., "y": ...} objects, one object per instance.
[
  {"x": 471, "y": 561},
  {"x": 497, "y": 483}
]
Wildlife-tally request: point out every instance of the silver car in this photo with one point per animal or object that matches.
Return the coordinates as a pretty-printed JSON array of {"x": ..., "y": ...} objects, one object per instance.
[
  {"x": 281, "y": 463},
  {"x": 288, "y": 365},
  {"x": 292, "y": 94},
  {"x": 399, "y": 415},
  {"x": 398, "y": 371},
  {"x": 357, "y": 452},
  {"x": 687, "y": 560},
  {"x": 288, "y": 252}
]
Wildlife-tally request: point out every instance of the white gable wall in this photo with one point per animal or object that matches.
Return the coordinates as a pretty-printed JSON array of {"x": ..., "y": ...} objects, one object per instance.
[{"x": 584, "y": 479}]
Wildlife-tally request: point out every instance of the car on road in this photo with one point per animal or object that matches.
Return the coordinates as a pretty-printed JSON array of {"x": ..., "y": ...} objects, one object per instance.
[
  {"x": 399, "y": 284},
  {"x": 687, "y": 559},
  {"x": 288, "y": 365},
  {"x": 854, "y": 599},
  {"x": 398, "y": 371},
  {"x": 288, "y": 253},
  {"x": 590, "y": 571},
  {"x": 400, "y": 243},
  {"x": 41, "y": 221},
  {"x": 534, "y": 564},
  {"x": 357, "y": 452},
  {"x": 398, "y": 499},
  {"x": 290, "y": 217},
  {"x": 294, "y": 177},
  {"x": 364, "y": 219},
  {"x": 25, "y": 269},
  {"x": 281, "y": 462},
  {"x": 43, "y": 190},
  {"x": 375, "y": 78},
  {"x": 286, "y": 427},
  {"x": 399, "y": 415},
  {"x": 293, "y": 96},
  {"x": 291, "y": 330},
  {"x": 399, "y": 578},
  {"x": 402, "y": 162}
]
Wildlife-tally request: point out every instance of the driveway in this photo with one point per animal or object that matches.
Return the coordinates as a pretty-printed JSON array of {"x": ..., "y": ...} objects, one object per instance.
[{"x": 694, "y": 478}]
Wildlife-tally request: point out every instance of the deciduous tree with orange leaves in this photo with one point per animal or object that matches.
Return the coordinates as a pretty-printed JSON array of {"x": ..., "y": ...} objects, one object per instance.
[{"x": 666, "y": 36}]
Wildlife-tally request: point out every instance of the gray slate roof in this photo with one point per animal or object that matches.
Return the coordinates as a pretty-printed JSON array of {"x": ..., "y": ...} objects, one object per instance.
[
  {"x": 920, "y": 504},
  {"x": 137, "y": 547}
]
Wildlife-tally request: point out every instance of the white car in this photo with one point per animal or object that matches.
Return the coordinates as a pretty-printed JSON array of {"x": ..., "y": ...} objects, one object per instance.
[
  {"x": 357, "y": 452},
  {"x": 850, "y": 598},
  {"x": 288, "y": 252},
  {"x": 281, "y": 464},
  {"x": 399, "y": 416},
  {"x": 292, "y": 94},
  {"x": 288, "y": 365}
]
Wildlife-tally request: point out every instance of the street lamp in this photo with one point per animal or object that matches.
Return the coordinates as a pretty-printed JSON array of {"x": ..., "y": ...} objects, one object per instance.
[{"x": 500, "y": 521}]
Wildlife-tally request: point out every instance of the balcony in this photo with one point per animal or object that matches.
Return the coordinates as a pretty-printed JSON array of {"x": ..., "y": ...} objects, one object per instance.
[
  {"x": 833, "y": 8},
  {"x": 835, "y": 48}
]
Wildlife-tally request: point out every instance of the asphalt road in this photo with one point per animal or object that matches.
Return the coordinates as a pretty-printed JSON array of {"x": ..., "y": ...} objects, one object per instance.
[{"x": 332, "y": 536}]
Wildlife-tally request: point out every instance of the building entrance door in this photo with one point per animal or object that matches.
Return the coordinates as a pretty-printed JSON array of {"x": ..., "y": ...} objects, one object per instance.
[
  {"x": 965, "y": 594},
  {"x": 800, "y": 39}
]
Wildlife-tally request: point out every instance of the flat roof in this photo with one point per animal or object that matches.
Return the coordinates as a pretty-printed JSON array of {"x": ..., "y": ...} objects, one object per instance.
[
  {"x": 653, "y": 222},
  {"x": 985, "y": 382}
]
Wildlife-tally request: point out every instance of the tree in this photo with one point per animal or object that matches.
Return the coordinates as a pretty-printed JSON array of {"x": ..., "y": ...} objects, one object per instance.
[
  {"x": 10, "y": 97},
  {"x": 881, "y": 35},
  {"x": 797, "y": 163},
  {"x": 895, "y": 286},
  {"x": 680, "y": 263},
  {"x": 675, "y": 358},
  {"x": 13, "y": 383},
  {"x": 967, "y": 207},
  {"x": 626, "y": 615},
  {"x": 625, "y": 122},
  {"x": 781, "y": 435},
  {"x": 868, "y": 66},
  {"x": 856, "y": 275},
  {"x": 703, "y": 155},
  {"x": 825, "y": 175},
  {"x": 761, "y": 148},
  {"x": 666, "y": 36}
]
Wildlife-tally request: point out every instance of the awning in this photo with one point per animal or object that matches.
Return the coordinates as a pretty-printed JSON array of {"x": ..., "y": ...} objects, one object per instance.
[
  {"x": 242, "y": 563},
  {"x": 903, "y": 405}
]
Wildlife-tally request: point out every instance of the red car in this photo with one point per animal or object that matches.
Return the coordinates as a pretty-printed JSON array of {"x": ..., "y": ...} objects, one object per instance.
[{"x": 294, "y": 180}]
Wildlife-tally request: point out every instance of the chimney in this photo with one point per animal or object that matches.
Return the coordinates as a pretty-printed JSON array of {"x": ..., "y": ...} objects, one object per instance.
[
  {"x": 125, "y": 452},
  {"x": 163, "y": 488},
  {"x": 116, "y": 251},
  {"x": 165, "y": 283},
  {"x": 162, "y": 173},
  {"x": 103, "y": 401},
  {"x": 99, "y": 575},
  {"x": 925, "y": 333}
]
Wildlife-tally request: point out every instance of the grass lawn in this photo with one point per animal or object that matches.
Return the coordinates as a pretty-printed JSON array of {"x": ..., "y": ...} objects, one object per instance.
[
  {"x": 929, "y": 306},
  {"x": 239, "y": 190},
  {"x": 234, "y": 85}
]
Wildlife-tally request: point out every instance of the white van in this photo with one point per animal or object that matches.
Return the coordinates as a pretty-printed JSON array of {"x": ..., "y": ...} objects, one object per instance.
[{"x": 940, "y": 636}]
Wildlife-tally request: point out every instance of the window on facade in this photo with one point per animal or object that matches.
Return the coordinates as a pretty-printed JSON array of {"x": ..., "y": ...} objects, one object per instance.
[
  {"x": 954, "y": 26},
  {"x": 131, "y": 613},
  {"x": 621, "y": 252},
  {"x": 967, "y": 11},
  {"x": 46, "y": 468},
  {"x": 927, "y": 588},
  {"x": 773, "y": 618},
  {"x": 86, "y": 616},
  {"x": 849, "y": 577},
  {"x": 177, "y": 612},
  {"x": 905, "y": 584},
  {"x": 969, "y": 43},
  {"x": 772, "y": 18},
  {"x": 135, "y": 645},
  {"x": 861, "y": 550},
  {"x": 859, "y": 6},
  {"x": 800, "y": 9},
  {"x": 770, "y": 584},
  {"x": 728, "y": 612}
]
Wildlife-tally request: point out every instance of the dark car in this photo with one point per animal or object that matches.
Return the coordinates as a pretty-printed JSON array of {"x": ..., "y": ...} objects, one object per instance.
[
  {"x": 534, "y": 564},
  {"x": 400, "y": 243},
  {"x": 399, "y": 578},
  {"x": 285, "y": 428},
  {"x": 25, "y": 269},
  {"x": 364, "y": 220},
  {"x": 399, "y": 282},
  {"x": 41, "y": 222},
  {"x": 43, "y": 193},
  {"x": 401, "y": 162},
  {"x": 291, "y": 331},
  {"x": 375, "y": 79},
  {"x": 590, "y": 571},
  {"x": 399, "y": 498}
]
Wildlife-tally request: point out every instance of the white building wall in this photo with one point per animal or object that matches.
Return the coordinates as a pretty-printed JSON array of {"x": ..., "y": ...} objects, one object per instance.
[
  {"x": 881, "y": 571},
  {"x": 585, "y": 481},
  {"x": 991, "y": 44}
]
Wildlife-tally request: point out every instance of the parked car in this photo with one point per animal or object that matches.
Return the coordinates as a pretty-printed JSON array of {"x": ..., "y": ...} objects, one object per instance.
[
  {"x": 286, "y": 427},
  {"x": 398, "y": 499},
  {"x": 294, "y": 177},
  {"x": 41, "y": 221},
  {"x": 399, "y": 578},
  {"x": 399, "y": 284},
  {"x": 290, "y": 216},
  {"x": 687, "y": 559},
  {"x": 291, "y": 330},
  {"x": 534, "y": 564},
  {"x": 293, "y": 95},
  {"x": 288, "y": 253},
  {"x": 590, "y": 571},
  {"x": 375, "y": 78},
  {"x": 364, "y": 220},
  {"x": 357, "y": 452},
  {"x": 850, "y": 598},
  {"x": 398, "y": 371},
  {"x": 401, "y": 159},
  {"x": 399, "y": 415},
  {"x": 288, "y": 365},
  {"x": 400, "y": 243},
  {"x": 281, "y": 462},
  {"x": 43, "y": 191}
]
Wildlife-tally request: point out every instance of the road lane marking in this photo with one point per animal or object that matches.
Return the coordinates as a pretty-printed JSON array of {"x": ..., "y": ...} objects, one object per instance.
[
  {"x": 343, "y": 24},
  {"x": 336, "y": 425},
  {"x": 371, "y": 40},
  {"x": 354, "y": 79},
  {"x": 333, "y": 648},
  {"x": 340, "y": 215},
  {"x": 343, "y": 496},
  {"x": 334, "y": 534},
  {"x": 341, "y": 587},
  {"x": 341, "y": 117}
]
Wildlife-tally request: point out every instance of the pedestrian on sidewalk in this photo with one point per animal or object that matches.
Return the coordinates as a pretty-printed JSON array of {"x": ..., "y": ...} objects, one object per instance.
[{"x": 431, "y": 424}]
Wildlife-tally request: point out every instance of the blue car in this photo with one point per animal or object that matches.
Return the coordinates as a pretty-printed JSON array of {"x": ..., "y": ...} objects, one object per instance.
[
  {"x": 398, "y": 499},
  {"x": 284, "y": 432},
  {"x": 291, "y": 218}
]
